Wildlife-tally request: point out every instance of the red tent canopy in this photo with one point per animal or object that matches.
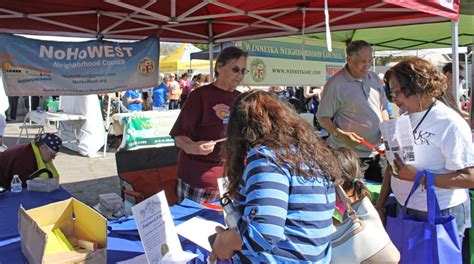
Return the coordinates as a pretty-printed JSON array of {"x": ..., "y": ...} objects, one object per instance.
[{"x": 199, "y": 21}]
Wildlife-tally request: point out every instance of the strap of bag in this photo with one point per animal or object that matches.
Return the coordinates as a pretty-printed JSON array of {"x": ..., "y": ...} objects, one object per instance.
[
  {"x": 434, "y": 212},
  {"x": 432, "y": 203},
  {"x": 345, "y": 200}
]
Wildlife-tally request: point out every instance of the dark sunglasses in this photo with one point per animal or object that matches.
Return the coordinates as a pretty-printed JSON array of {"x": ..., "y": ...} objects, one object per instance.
[{"x": 242, "y": 71}]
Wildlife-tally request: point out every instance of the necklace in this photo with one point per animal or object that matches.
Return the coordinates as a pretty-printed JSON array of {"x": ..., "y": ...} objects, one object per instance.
[{"x": 423, "y": 118}]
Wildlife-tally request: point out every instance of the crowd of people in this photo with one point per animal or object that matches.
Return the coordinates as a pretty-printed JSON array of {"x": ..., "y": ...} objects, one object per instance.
[
  {"x": 170, "y": 94},
  {"x": 281, "y": 176},
  {"x": 278, "y": 170}
]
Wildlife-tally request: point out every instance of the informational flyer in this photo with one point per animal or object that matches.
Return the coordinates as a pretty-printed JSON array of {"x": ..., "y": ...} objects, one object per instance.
[
  {"x": 398, "y": 139},
  {"x": 157, "y": 231}
]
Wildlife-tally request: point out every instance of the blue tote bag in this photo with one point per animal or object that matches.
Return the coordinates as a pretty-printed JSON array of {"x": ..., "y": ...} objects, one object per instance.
[{"x": 433, "y": 240}]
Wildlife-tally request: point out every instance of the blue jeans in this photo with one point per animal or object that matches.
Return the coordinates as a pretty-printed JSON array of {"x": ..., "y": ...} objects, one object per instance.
[
  {"x": 461, "y": 213},
  {"x": 174, "y": 104}
]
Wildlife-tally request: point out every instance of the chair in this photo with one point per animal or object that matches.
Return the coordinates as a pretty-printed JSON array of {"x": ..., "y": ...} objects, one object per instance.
[
  {"x": 27, "y": 124},
  {"x": 145, "y": 172}
]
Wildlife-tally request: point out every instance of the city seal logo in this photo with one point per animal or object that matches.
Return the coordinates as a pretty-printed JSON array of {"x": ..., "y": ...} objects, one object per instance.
[
  {"x": 258, "y": 70},
  {"x": 146, "y": 66}
]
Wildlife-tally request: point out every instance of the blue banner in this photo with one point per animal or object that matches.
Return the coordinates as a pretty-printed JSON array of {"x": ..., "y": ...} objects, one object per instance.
[{"x": 36, "y": 67}]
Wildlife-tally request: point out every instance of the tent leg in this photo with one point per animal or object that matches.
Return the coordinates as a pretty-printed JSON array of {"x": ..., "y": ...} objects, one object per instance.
[
  {"x": 455, "y": 71},
  {"x": 472, "y": 88},
  {"x": 211, "y": 52},
  {"x": 107, "y": 125}
]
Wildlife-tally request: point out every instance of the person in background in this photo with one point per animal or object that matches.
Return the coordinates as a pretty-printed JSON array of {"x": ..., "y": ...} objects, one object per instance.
[
  {"x": 184, "y": 86},
  {"x": 13, "y": 102},
  {"x": 280, "y": 178},
  {"x": 442, "y": 144},
  {"x": 448, "y": 96},
  {"x": 24, "y": 159},
  {"x": 161, "y": 96},
  {"x": 175, "y": 92},
  {"x": 352, "y": 176},
  {"x": 4, "y": 104},
  {"x": 3, "y": 125},
  {"x": 352, "y": 105},
  {"x": 134, "y": 100},
  {"x": 197, "y": 82},
  {"x": 205, "y": 79},
  {"x": 201, "y": 123},
  {"x": 280, "y": 91}
]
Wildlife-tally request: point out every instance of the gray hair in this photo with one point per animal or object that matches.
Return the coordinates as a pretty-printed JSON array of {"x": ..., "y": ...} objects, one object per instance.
[
  {"x": 354, "y": 47},
  {"x": 228, "y": 54}
]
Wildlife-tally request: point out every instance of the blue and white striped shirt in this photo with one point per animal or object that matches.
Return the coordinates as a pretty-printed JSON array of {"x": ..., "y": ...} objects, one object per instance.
[{"x": 285, "y": 217}]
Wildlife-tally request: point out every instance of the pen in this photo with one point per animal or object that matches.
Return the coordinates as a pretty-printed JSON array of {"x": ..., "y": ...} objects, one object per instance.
[
  {"x": 381, "y": 152},
  {"x": 220, "y": 140}
]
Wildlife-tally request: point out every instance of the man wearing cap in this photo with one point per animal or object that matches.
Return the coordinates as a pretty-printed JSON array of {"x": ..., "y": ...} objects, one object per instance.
[{"x": 24, "y": 159}]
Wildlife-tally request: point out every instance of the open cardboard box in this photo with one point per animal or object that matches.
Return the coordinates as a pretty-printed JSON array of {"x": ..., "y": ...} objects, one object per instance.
[{"x": 75, "y": 219}]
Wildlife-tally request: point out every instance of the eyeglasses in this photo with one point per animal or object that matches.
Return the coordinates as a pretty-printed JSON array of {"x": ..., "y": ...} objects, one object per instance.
[
  {"x": 242, "y": 71},
  {"x": 395, "y": 94}
]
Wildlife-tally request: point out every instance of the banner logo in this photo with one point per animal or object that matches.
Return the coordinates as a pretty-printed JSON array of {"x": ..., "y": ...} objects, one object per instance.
[
  {"x": 146, "y": 66},
  {"x": 258, "y": 70}
]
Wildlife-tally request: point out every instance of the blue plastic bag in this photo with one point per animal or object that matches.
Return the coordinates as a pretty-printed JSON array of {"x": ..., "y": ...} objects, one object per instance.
[{"x": 433, "y": 240}]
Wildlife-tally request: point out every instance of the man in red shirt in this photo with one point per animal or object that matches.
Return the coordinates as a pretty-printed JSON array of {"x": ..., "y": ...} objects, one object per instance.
[{"x": 201, "y": 123}]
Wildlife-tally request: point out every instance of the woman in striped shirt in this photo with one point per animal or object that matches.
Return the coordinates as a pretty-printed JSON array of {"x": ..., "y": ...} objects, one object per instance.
[{"x": 280, "y": 177}]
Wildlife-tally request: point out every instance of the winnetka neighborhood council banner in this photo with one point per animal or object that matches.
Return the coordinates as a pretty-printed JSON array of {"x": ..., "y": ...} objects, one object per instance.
[
  {"x": 37, "y": 67},
  {"x": 290, "y": 62},
  {"x": 148, "y": 129}
]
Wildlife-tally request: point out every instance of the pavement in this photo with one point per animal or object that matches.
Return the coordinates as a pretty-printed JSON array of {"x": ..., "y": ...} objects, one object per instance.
[{"x": 85, "y": 178}]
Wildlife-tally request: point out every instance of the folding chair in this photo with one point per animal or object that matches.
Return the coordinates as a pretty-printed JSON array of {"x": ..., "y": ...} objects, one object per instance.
[
  {"x": 28, "y": 125},
  {"x": 145, "y": 172}
]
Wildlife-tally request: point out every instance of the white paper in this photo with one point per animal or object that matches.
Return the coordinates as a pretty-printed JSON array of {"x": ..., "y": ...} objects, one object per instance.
[
  {"x": 222, "y": 185},
  {"x": 156, "y": 228},
  {"x": 198, "y": 230},
  {"x": 398, "y": 138},
  {"x": 170, "y": 258}
]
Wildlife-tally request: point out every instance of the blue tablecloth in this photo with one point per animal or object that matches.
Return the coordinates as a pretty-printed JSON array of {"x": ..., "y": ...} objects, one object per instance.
[
  {"x": 123, "y": 240},
  {"x": 10, "y": 245}
]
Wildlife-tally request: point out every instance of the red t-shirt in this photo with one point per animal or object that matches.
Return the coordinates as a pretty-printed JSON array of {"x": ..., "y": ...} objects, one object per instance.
[
  {"x": 203, "y": 117},
  {"x": 18, "y": 159}
]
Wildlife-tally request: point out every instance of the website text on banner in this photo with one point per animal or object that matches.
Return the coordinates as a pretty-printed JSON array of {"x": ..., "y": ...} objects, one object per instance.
[
  {"x": 286, "y": 61},
  {"x": 145, "y": 130},
  {"x": 36, "y": 67}
]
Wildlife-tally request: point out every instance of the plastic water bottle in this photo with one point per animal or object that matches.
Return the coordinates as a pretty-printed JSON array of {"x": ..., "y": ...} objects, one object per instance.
[{"x": 15, "y": 185}]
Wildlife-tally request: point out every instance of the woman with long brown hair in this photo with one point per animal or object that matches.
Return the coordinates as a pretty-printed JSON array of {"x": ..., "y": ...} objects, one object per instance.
[{"x": 280, "y": 177}]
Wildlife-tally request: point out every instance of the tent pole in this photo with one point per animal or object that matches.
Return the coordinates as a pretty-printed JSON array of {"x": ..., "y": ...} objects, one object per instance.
[
  {"x": 211, "y": 52},
  {"x": 107, "y": 124},
  {"x": 455, "y": 55},
  {"x": 472, "y": 87},
  {"x": 29, "y": 106}
]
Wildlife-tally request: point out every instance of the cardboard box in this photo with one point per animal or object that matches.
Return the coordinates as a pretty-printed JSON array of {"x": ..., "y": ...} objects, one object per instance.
[{"x": 75, "y": 219}]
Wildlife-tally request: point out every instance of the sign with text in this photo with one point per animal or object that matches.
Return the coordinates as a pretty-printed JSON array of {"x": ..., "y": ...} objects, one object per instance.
[
  {"x": 148, "y": 129},
  {"x": 37, "y": 67},
  {"x": 157, "y": 231},
  {"x": 285, "y": 61}
]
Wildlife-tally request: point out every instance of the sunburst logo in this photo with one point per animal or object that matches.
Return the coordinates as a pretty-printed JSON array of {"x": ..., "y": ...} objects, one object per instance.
[{"x": 222, "y": 112}]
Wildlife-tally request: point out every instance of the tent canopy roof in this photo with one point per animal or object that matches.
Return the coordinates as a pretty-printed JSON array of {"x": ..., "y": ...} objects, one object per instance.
[
  {"x": 423, "y": 36},
  {"x": 200, "y": 21}
]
